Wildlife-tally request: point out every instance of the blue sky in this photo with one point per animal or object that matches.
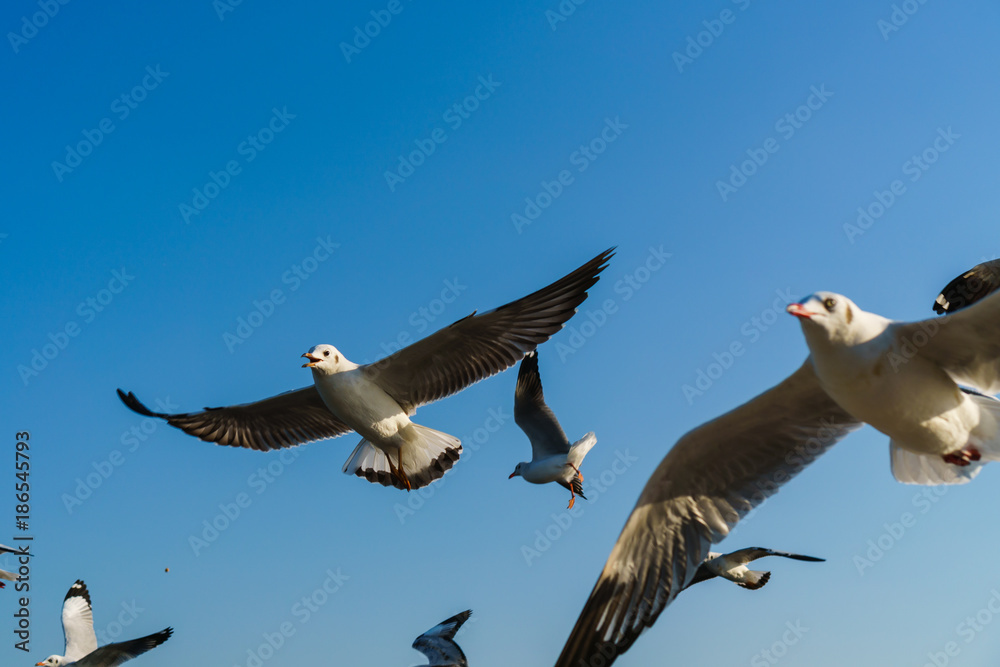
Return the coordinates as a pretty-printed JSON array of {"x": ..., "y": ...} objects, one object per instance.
[{"x": 174, "y": 171}]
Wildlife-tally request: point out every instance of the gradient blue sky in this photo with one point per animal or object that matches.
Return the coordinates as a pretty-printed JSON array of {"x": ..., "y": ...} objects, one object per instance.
[{"x": 322, "y": 176}]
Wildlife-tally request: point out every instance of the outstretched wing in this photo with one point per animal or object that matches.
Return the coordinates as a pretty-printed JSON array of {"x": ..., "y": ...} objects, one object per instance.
[
  {"x": 78, "y": 622},
  {"x": 113, "y": 655},
  {"x": 744, "y": 556},
  {"x": 438, "y": 643},
  {"x": 532, "y": 414},
  {"x": 288, "y": 419},
  {"x": 711, "y": 479},
  {"x": 975, "y": 284},
  {"x": 479, "y": 346}
]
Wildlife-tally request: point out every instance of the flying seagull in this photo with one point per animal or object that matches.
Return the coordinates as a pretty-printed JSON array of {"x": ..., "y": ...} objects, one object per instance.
[
  {"x": 4, "y": 574},
  {"x": 377, "y": 400},
  {"x": 553, "y": 459},
  {"x": 7, "y": 576},
  {"x": 81, "y": 641},
  {"x": 903, "y": 378},
  {"x": 713, "y": 477},
  {"x": 733, "y": 566},
  {"x": 973, "y": 285},
  {"x": 721, "y": 470},
  {"x": 438, "y": 643}
]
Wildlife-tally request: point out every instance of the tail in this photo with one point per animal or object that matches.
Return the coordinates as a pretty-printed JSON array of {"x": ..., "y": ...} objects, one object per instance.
[
  {"x": 427, "y": 455},
  {"x": 928, "y": 469},
  {"x": 989, "y": 448},
  {"x": 755, "y": 579},
  {"x": 579, "y": 449}
]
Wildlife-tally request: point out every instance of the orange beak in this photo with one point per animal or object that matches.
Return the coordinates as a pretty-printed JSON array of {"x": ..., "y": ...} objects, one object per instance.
[
  {"x": 798, "y": 310},
  {"x": 313, "y": 360},
  {"x": 512, "y": 475}
]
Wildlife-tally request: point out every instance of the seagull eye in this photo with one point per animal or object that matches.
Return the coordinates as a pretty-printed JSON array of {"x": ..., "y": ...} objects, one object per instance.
[
  {"x": 327, "y": 353},
  {"x": 829, "y": 304}
]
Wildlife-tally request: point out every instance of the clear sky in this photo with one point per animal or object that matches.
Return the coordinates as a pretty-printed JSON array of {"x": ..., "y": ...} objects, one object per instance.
[{"x": 196, "y": 193}]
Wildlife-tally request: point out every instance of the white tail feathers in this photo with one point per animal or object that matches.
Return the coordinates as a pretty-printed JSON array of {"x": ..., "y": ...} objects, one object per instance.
[
  {"x": 755, "y": 579},
  {"x": 928, "y": 469},
  {"x": 579, "y": 449},
  {"x": 427, "y": 454}
]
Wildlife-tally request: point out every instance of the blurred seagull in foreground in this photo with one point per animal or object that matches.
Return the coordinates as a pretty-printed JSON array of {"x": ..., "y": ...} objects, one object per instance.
[
  {"x": 553, "y": 459},
  {"x": 81, "y": 641},
  {"x": 904, "y": 377},
  {"x": 377, "y": 400},
  {"x": 438, "y": 643},
  {"x": 733, "y": 566}
]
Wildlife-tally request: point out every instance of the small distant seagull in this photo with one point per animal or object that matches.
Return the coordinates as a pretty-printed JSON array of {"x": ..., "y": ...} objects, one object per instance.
[
  {"x": 553, "y": 459},
  {"x": 733, "y": 566},
  {"x": 977, "y": 283},
  {"x": 438, "y": 643},
  {"x": 377, "y": 400},
  {"x": 81, "y": 641}
]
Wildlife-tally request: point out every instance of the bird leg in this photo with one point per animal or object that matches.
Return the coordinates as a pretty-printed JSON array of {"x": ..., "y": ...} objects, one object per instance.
[
  {"x": 572, "y": 498},
  {"x": 963, "y": 457},
  {"x": 400, "y": 474},
  {"x": 576, "y": 469}
]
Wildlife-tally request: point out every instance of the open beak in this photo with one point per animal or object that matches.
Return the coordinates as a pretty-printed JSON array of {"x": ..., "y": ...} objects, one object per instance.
[
  {"x": 313, "y": 360},
  {"x": 798, "y": 310}
]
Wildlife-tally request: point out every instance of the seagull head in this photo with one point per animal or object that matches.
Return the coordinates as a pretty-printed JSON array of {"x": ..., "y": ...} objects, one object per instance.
[
  {"x": 826, "y": 315},
  {"x": 52, "y": 661},
  {"x": 327, "y": 360},
  {"x": 517, "y": 470}
]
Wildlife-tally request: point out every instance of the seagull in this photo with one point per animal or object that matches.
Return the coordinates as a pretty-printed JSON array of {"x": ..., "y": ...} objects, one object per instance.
[
  {"x": 4, "y": 574},
  {"x": 438, "y": 643},
  {"x": 906, "y": 379},
  {"x": 733, "y": 566},
  {"x": 903, "y": 378},
  {"x": 81, "y": 642},
  {"x": 553, "y": 459},
  {"x": 377, "y": 400},
  {"x": 7, "y": 576},
  {"x": 713, "y": 477},
  {"x": 973, "y": 285}
]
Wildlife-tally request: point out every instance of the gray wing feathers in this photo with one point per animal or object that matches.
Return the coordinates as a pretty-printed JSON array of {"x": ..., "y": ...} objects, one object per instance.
[
  {"x": 749, "y": 554},
  {"x": 712, "y": 478},
  {"x": 479, "y": 346},
  {"x": 438, "y": 643},
  {"x": 112, "y": 655},
  {"x": 288, "y": 419},
  {"x": 534, "y": 417}
]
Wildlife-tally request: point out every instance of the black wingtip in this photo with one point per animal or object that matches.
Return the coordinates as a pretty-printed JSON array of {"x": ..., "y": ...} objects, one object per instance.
[
  {"x": 135, "y": 405},
  {"x": 78, "y": 590}
]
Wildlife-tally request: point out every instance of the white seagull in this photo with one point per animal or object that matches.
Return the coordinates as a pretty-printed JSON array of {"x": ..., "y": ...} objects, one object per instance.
[
  {"x": 438, "y": 643},
  {"x": 81, "y": 641},
  {"x": 553, "y": 459},
  {"x": 377, "y": 400},
  {"x": 903, "y": 378},
  {"x": 733, "y": 566},
  {"x": 906, "y": 378}
]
